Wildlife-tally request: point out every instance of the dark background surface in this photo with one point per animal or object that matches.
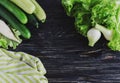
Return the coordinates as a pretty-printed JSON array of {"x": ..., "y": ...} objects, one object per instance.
[{"x": 65, "y": 53}]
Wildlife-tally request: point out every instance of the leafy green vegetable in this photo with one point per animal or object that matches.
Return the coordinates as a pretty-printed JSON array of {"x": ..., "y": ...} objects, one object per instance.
[
  {"x": 5, "y": 42},
  {"x": 101, "y": 14}
]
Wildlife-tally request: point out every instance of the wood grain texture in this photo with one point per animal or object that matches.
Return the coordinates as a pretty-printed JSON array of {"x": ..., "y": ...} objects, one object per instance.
[{"x": 65, "y": 53}]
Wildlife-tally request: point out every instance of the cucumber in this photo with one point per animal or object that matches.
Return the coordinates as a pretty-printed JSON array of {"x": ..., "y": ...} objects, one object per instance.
[
  {"x": 16, "y": 11},
  {"x": 25, "y": 5},
  {"x": 33, "y": 20},
  {"x": 9, "y": 18}
]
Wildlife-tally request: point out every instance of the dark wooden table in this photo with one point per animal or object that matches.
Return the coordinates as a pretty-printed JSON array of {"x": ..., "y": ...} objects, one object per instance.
[{"x": 65, "y": 53}]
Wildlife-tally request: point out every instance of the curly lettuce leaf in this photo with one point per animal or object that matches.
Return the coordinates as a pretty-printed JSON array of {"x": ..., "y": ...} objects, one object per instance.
[
  {"x": 104, "y": 13},
  {"x": 82, "y": 23},
  {"x": 88, "y": 13},
  {"x": 81, "y": 11},
  {"x": 72, "y": 6},
  {"x": 108, "y": 15},
  {"x": 114, "y": 44},
  {"x": 5, "y": 42}
]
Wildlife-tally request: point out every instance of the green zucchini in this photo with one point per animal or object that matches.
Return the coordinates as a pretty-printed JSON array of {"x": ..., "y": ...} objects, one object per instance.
[
  {"x": 39, "y": 11},
  {"x": 16, "y": 11},
  {"x": 33, "y": 20},
  {"x": 9, "y": 18},
  {"x": 25, "y": 5}
]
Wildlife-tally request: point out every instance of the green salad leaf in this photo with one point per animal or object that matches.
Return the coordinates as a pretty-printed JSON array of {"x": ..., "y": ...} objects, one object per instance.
[
  {"x": 5, "y": 42},
  {"x": 101, "y": 14}
]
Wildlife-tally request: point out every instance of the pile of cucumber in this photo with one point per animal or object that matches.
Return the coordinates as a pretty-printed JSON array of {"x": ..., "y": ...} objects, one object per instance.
[{"x": 17, "y": 14}]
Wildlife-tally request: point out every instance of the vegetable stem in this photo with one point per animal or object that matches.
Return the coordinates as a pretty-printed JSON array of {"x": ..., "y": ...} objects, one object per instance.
[{"x": 106, "y": 32}]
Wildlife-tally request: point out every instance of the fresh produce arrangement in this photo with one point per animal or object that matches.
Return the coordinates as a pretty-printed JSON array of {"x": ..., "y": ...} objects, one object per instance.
[
  {"x": 14, "y": 17},
  {"x": 93, "y": 17}
]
